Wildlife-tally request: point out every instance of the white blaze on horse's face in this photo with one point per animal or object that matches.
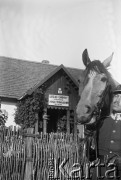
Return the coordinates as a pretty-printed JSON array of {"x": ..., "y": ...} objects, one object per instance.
[{"x": 91, "y": 95}]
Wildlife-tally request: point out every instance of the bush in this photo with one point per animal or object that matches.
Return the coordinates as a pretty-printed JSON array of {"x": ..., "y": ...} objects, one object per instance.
[
  {"x": 28, "y": 107},
  {"x": 3, "y": 117}
]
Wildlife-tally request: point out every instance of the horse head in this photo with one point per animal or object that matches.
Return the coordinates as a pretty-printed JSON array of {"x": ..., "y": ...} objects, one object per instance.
[{"x": 95, "y": 90}]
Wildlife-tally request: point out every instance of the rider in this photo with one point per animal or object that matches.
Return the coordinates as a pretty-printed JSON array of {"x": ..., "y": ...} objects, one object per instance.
[{"x": 109, "y": 138}]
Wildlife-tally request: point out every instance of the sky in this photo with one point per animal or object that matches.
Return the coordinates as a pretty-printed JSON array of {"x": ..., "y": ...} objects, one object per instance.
[{"x": 60, "y": 30}]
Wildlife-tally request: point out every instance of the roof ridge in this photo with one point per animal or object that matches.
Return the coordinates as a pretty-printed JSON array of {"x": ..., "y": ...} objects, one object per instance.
[
  {"x": 28, "y": 61},
  {"x": 37, "y": 62},
  {"x": 73, "y": 68}
]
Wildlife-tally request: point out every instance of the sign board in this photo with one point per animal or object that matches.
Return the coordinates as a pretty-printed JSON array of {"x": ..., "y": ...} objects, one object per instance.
[{"x": 58, "y": 100}]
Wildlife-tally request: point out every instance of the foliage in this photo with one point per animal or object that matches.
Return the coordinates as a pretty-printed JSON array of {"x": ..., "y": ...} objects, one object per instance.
[
  {"x": 28, "y": 108},
  {"x": 61, "y": 125},
  {"x": 3, "y": 117}
]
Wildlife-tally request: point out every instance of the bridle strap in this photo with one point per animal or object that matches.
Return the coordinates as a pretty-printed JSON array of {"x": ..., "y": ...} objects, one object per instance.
[{"x": 98, "y": 107}]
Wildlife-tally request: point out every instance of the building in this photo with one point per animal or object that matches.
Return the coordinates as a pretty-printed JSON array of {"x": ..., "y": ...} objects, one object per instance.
[{"x": 19, "y": 78}]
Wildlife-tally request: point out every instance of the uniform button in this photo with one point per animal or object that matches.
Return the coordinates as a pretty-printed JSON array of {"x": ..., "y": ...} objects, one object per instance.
[
  {"x": 112, "y": 141},
  {"x": 110, "y": 152},
  {"x": 114, "y": 131}
]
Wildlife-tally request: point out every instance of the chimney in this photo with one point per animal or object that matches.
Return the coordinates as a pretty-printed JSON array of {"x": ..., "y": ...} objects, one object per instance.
[{"x": 45, "y": 62}]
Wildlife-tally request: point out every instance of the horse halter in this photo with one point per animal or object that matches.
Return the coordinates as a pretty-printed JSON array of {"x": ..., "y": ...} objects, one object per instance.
[{"x": 97, "y": 110}]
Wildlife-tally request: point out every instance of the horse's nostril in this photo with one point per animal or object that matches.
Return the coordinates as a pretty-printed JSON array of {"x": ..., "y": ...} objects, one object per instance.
[{"x": 88, "y": 109}]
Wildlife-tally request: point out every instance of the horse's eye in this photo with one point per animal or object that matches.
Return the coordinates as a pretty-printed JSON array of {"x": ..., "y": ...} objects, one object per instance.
[{"x": 103, "y": 79}]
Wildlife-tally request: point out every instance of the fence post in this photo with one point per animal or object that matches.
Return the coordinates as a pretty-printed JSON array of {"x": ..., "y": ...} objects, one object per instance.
[
  {"x": 28, "y": 167},
  {"x": 36, "y": 124},
  {"x": 68, "y": 121}
]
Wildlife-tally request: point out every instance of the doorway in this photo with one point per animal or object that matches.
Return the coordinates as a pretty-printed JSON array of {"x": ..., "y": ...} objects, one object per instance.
[{"x": 54, "y": 116}]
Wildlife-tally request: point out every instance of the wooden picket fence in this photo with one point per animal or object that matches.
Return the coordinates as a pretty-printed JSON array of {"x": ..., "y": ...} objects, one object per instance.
[{"x": 26, "y": 156}]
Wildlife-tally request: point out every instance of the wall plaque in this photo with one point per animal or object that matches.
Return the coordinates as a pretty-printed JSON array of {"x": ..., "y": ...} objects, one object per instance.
[{"x": 58, "y": 100}]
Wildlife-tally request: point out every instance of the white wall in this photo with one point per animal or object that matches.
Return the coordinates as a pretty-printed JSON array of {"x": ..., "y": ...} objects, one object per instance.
[{"x": 10, "y": 108}]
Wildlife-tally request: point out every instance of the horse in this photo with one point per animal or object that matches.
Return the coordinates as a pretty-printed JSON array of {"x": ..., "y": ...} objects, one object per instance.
[{"x": 95, "y": 92}]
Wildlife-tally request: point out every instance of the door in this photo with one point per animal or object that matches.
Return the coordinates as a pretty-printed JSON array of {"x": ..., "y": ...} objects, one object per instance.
[{"x": 57, "y": 119}]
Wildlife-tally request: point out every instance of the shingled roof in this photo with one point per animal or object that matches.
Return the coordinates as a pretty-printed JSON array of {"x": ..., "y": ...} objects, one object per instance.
[{"x": 18, "y": 76}]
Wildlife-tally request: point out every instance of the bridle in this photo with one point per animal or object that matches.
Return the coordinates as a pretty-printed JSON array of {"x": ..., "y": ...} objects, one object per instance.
[{"x": 98, "y": 108}]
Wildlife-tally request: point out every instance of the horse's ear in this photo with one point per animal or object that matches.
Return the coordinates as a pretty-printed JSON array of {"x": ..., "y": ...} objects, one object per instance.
[
  {"x": 85, "y": 58},
  {"x": 107, "y": 61}
]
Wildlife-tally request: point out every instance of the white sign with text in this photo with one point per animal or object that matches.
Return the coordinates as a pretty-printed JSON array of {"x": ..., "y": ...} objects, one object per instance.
[{"x": 58, "y": 100}]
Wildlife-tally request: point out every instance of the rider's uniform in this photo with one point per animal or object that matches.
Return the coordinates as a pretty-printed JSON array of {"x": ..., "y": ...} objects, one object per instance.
[{"x": 109, "y": 138}]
